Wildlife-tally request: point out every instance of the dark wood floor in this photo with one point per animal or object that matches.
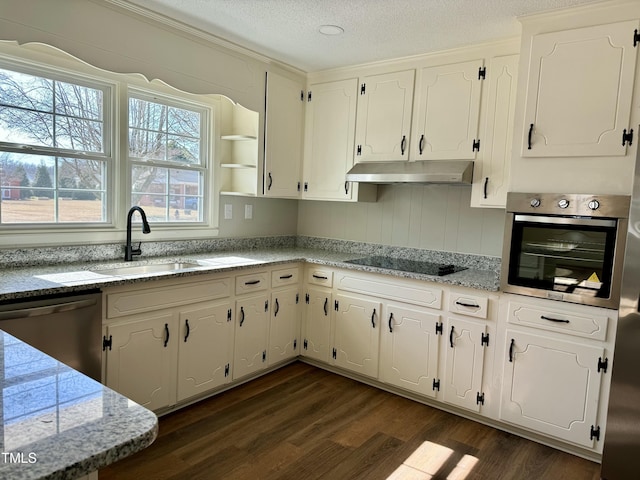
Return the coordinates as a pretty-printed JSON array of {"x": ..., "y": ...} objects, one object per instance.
[{"x": 303, "y": 423}]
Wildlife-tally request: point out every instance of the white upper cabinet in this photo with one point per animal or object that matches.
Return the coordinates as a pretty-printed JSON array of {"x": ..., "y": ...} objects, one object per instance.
[
  {"x": 283, "y": 136},
  {"x": 329, "y": 142},
  {"x": 579, "y": 92},
  {"x": 383, "y": 123},
  {"x": 492, "y": 166},
  {"x": 447, "y": 111}
]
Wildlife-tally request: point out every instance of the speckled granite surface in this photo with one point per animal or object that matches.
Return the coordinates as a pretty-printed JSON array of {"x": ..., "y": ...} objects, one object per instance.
[
  {"x": 28, "y": 273},
  {"x": 60, "y": 424}
]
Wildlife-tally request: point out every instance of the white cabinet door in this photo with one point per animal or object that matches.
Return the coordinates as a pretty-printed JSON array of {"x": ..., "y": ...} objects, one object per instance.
[
  {"x": 357, "y": 334},
  {"x": 283, "y": 136},
  {"x": 464, "y": 364},
  {"x": 383, "y": 123},
  {"x": 141, "y": 364},
  {"x": 205, "y": 348},
  {"x": 251, "y": 335},
  {"x": 492, "y": 166},
  {"x": 316, "y": 324},
  {"x": 552, "y": 386},
  {"x": 579, "y": 91},
  {"x": 285, "y": 326},
  {"x": 409, "y": 348},
  {"x": 329, "y": 143},
  {"x": 448, "y": 110}
]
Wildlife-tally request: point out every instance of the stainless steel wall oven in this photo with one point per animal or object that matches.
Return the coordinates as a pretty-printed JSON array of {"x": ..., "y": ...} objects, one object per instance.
[{"x": 565, "y": 247}]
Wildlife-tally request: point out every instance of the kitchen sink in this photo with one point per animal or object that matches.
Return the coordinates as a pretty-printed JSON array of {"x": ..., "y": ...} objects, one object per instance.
[{"x": 147, "y": 268}]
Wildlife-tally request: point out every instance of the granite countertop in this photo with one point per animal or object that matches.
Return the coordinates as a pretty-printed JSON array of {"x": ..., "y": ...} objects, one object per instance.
[
  {"x": 60, "y": 424},
  {"x": 24, "y": 282}
]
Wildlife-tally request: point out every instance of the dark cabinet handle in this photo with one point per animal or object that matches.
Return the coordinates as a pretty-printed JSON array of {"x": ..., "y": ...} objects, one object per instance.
[
  {"x": 241, "y": 315},
  {"x": 276, "y": 309},
  {"x": 320, "y": 277},
  {"x": 421, "y": 144},
  {"x": 373, "y": 316},
  {"x": 557, "y": 320},
  {"x": 346, "y": 188},
  {"x": 486, "y": 184},
  {"x": 403, "y": 144},
  {"x": 252, "y": 282},
  {"x": 326, "y": 304},
  {"x": 511, "y": 349},
  {"x": 451, "y": 336},
  {"x": 391, "y": 322},
  {"x": 530, "y": 135},
  {"x": 464, "y": 304},
  {"x": 270, "y": 181},
  {"x": 186, "y": 324},
  {"x": 284, "y": 277},
  {"x": 166, "y": 334}
]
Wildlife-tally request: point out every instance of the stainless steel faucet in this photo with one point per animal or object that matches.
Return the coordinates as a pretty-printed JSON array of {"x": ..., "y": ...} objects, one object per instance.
[{"x": 129, "y": 250}]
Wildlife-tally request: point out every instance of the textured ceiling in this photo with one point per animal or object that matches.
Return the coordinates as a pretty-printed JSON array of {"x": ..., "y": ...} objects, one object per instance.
[{"x": 287, "y": 30}]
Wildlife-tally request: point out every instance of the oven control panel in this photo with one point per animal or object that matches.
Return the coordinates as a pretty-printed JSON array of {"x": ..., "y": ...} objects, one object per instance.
[{"x": 582, "y": 205}]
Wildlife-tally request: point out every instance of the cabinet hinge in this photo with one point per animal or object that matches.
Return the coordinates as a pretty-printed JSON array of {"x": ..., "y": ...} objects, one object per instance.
[
  {"x": 475, "y": 146},
  {"x": 627, "y": 138},
  {"x": 302, "y": 95},
  {"x": 264, "y": 355},
  {"x": 266, "y": 305},
  {"x": 297, "y": 298},
  {"x": 334, "y": 354},
  {"x": 299, "y": 185},
  {"x": 482, "y": 73},
  {"x": 436, "y": 385},
  {"x": 306, "y": 186},
  {"x": 603, "y": 364},
  {"x": 595, "y": 433},
  {"x": 305, "y": 345},
  {"x": 363, "y": 88},
  {"x": 309, "y": 96},
  {"x": 229, "y": 315},
  {"x": 226, "y": 370},
  {"x": 636, "y": 37},
  {"x": 336, "y": 305},
  {"x": 107, "y": 343},
  {"x": 484, "y": 339},
  {"x": 439, "y": 328},
  {"x": 480, "y": 398},
  {"x": 306, "y": 299},
  {"x": 359, "y": 150},
  {"x": 295, "y": 343}
]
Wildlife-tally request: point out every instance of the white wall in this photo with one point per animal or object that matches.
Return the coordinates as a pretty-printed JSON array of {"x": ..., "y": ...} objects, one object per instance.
[{"x": 435, "y": 217}]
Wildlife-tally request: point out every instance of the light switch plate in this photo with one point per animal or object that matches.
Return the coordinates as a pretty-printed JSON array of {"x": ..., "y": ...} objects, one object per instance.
[
  {"x": 248, "y": 212},
  {"x": 228, "y": 211}
]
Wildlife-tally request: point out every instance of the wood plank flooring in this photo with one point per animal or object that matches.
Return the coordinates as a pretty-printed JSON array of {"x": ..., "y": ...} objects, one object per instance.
[{"x": 303, "y": 423}]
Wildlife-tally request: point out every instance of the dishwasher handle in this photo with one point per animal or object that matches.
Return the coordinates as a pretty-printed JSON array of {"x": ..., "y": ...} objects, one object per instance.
[{"x": 47, "y": 309}]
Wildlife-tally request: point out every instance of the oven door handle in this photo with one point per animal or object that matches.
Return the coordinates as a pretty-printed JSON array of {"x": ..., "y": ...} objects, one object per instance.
[{"x": 595, "y": 222}]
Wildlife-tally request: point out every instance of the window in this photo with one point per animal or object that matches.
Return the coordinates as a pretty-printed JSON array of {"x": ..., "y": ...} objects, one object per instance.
[
  {"x": 167, "y": 157},
  {"x": 55, "y": 149}
]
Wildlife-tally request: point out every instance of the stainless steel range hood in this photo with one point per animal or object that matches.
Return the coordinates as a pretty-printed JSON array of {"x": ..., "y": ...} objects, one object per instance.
[{"x": 425, "y": 171}]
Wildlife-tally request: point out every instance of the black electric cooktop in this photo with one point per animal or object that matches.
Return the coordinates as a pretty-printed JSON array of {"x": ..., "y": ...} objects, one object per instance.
[{"x": 414, "y": 266}]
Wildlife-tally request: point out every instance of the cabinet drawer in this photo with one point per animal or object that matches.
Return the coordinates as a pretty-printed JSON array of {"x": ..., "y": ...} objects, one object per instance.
[
  {"x": 252, "y": 282},
  {"x": 577, "y": 320},
  {"x": 469, "y": 304},
  {"x": 408, "y": 291},
  {"x": 148, "y": 299},
  {"x": 285, "y": 276},
  {"x": 319, "y": 276}
]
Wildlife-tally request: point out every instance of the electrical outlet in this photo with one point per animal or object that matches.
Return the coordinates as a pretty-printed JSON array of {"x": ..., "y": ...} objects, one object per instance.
[
  {"x": 248, "y": 212},
  {"x": 228, "y": 211}
]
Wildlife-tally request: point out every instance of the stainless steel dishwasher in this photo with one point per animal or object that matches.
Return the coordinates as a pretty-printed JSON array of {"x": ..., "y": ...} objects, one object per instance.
[{"x": 67, "y": 327}]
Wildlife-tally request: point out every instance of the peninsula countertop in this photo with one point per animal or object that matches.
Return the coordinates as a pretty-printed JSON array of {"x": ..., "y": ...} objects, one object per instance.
[
  {"x": 60, "y": 424},
  {"x": 25, "y": 282}
]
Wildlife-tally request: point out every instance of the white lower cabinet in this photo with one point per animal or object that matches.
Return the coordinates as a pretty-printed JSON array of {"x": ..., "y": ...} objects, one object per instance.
[
  {"x": 316, "y": 324},
  {"x": 252, "y": 334},
  {"x": 284, "y": 326},
  {"x": 357, "y": 334},
  {"x": 552, "y": 385},
  {"x": 464, "y": 364},
  {"x": 141, "y": 359},
  {"x": 205, "y": 346},
  {"x": 409, "y": 348}
]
